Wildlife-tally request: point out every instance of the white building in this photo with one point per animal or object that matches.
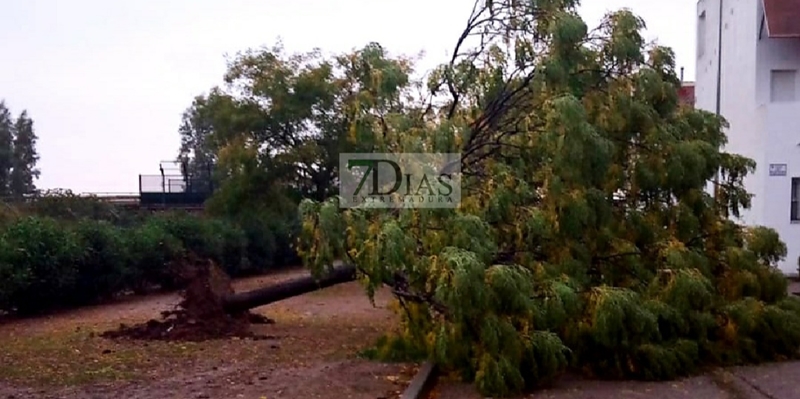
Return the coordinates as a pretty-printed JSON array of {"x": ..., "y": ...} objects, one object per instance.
[{"x": 759, "y": 95}]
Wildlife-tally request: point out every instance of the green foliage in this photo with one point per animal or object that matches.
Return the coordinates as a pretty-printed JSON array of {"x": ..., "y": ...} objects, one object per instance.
[
  {"x": 24, "y": 171},
  {"x": 274, "y": 135},
  {"x": 215, "y": 239},
  {"x": 196, "y": 235},
  {"x": 390, "y": 348},
  {"x": 66, "y": 206},
  {"x": 41, "y": 261},
  {"x": 233, "y": 253},
  {"x": 18, "y": 155},
  {"x": 585, "y": 236},
  {"x": 48, "y": 263},
  {"x": 6, "y": 148},
  {"x": 103, "y": 266},
  {"x": 151, "y": 249},
  {"x": 269, "y": 227}
]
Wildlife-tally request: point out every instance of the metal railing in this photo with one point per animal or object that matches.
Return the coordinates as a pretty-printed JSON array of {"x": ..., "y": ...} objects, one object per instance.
[
  {"x": 165, "y": 190},
  {"x": 173, "y": 190},
  {"x": 173, "y": 184}
]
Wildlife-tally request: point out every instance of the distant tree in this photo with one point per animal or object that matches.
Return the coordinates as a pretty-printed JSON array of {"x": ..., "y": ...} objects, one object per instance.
[
  {"x": 6, "y": 148},
  {"x": 283, "y": 119},
  {"x": 195, "y": 152},
  {"x": 24, "y": 157}
]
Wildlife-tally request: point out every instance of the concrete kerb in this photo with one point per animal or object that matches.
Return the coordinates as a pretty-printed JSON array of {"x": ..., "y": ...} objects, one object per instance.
[{"x": 422, "y": 382}]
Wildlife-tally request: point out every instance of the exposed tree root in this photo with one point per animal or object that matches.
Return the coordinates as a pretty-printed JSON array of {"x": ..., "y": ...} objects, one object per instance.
[{"x": 200, "y": 315}]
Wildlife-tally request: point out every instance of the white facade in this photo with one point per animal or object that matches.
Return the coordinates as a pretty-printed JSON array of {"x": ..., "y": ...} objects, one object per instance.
[{"x": 760, "y": 98}]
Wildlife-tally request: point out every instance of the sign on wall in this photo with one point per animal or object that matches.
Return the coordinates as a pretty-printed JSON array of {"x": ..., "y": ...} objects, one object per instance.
[{"x": 777, "y": 169}]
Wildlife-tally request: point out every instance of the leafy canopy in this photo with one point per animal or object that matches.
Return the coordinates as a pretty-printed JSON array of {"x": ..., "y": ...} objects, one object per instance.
[
  {"x": 18, "y": 155},
  {"x": 273, "y": 134},
  {"x": 586, "y": 236},
  {"x": 283, "y": 120}
]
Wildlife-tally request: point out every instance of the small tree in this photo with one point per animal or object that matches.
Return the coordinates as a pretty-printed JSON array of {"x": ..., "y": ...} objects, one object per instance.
[
  {"x": 6, "y": 148},
  {"x": 25, "y": 157}
]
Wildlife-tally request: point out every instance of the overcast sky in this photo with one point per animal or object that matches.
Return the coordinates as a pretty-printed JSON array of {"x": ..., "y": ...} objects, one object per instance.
[{"x": 106, "y": 81}]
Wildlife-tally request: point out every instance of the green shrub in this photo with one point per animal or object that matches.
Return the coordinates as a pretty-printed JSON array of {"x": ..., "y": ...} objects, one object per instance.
[
  {"x": 270, "y": 240},
  {"x": 103, "y": 266},
  {"x": 261, "y": 245},
  {"x": 195, "y": 233},
  {"x": 63, "y": 205},
  {"x": 8, "y": 214},
  {"x": 233, "y": 253},
  {"x": 44, "y": 260},
  {"x": 286, "y": 232},
  {"x": 151, "y": 249},
  {"x": 48, "y": 262},
  {"x": 11, "y": 277},
  {"x": 215, "y": 239}
]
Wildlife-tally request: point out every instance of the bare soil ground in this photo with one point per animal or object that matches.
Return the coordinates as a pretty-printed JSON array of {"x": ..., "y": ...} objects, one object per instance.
[
  {"x": 311, "y": 352},
  {"x": 722, "y": 384}
]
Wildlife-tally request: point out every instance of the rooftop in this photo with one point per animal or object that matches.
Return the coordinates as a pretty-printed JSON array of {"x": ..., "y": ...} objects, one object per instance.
[
  {"x": 782, "y": 18},
  {"x": 686, "y": 93}
]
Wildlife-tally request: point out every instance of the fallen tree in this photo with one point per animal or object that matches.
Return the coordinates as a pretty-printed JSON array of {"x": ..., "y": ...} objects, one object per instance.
[
  {"x": 584, "y": 235},
  {"x": 211, "y": 309},
  {"x": 239, "y": 302}
]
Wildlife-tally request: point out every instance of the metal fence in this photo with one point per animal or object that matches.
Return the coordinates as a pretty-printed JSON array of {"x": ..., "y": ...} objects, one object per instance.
[
  {"x": 173, "y": 190},
  {"x": 173, "y": 184}
]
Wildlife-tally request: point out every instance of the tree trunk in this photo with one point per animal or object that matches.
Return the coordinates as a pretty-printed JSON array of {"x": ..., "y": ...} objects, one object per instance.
[{"x": 264, "y": 296}]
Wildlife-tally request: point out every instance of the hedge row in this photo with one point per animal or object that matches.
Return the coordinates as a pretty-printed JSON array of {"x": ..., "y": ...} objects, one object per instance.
[{"x": 48, "y": 263}]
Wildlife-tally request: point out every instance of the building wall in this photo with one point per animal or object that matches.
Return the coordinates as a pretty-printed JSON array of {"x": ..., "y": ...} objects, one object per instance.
[
  {"x": 759, "y": 129},
  {"x": 781, "y": 128},
  {"x": 779, "y": 131},
  {"x": 738, "y": 83}
]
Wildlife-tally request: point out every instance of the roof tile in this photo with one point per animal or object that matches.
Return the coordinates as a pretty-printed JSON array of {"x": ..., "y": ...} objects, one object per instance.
[{"x": 783, "y": 18}]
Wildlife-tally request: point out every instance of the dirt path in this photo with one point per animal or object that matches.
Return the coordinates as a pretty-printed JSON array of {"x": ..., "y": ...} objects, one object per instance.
[
  {"x": 723, "y": 384},
  {"x": 311, "y": 353}
]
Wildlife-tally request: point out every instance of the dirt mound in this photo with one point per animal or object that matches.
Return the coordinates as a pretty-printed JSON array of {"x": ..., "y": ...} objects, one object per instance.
[{"x": 200, "y": 315}]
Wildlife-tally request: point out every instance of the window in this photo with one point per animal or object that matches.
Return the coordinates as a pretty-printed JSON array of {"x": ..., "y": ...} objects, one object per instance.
[
  {"x": 783, "y": 86},
  {"x": 795, "y": 206},
  {"x": 701, "y": 34}
]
